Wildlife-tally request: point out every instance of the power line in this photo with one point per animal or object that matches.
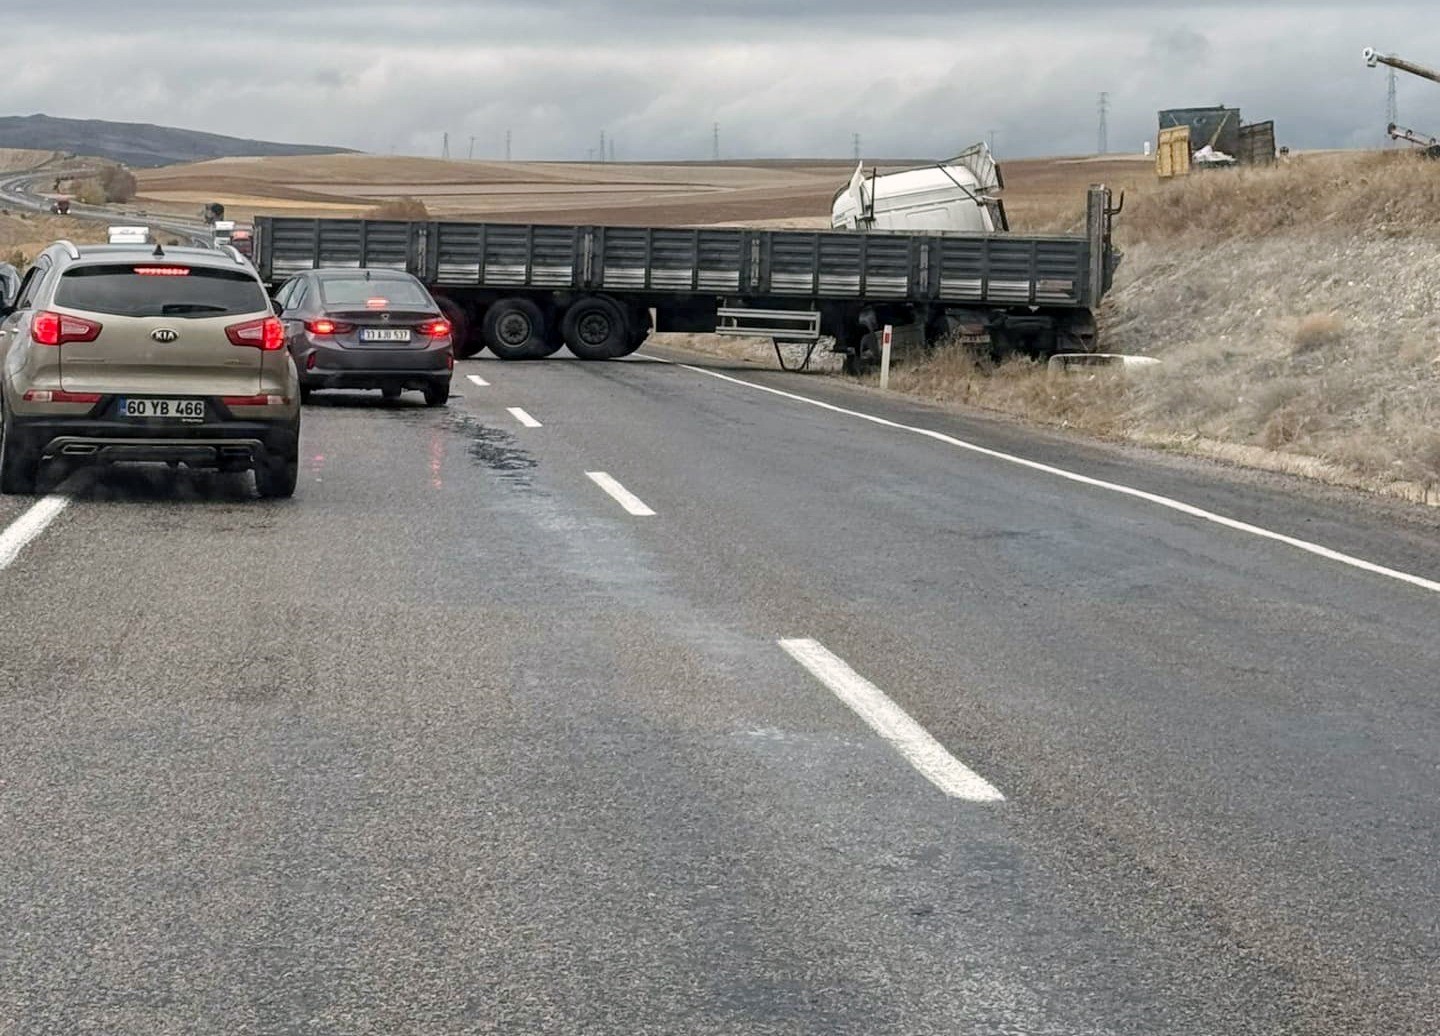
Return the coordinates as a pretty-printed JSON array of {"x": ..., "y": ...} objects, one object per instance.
[
  {"x": 857, "y": 147},
  {"x": 602, "y": 145},
  {"x": 1103, "y": 136},
  {"x": 612, "y": 149},
  {"x": 445, "y": 146},
  {"x": 715, "y": 142},
  {"x": 472, "y": 149},
  {"x": 507, "y": 145}
]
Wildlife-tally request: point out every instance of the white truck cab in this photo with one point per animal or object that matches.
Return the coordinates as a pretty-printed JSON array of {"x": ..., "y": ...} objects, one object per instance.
[
  {"x": 959, "y": 195},
  {"x": 129, "y": 235}
]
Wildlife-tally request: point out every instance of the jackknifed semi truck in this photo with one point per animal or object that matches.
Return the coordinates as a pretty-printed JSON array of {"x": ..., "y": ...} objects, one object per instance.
[{"x": 525, "y": 290}]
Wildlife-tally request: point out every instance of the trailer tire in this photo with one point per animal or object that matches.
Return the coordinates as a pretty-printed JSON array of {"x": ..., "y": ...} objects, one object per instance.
[
  {"x": 515, "y": 329},
  {"x": 596, "y": 328},
  {"x": 640, "y": 327}
]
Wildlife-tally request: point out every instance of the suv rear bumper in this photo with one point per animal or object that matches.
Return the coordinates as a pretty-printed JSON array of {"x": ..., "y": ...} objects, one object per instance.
[{"x": 236, "y": 443}]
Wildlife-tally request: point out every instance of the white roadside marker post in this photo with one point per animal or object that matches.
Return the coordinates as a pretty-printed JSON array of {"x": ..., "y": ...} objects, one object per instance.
[{"x": 886, "y": 337}]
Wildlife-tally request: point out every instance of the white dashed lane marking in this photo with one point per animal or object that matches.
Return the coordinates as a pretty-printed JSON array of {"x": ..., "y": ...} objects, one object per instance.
[
  {"x": 623, "y": 496},
  {"x": 32, "y": 523},
  {"x": 892, "y": 723}
]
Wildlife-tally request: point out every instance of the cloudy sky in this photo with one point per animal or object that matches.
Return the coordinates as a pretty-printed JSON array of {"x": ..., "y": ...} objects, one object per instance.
[{"x": 786, "y": 78}]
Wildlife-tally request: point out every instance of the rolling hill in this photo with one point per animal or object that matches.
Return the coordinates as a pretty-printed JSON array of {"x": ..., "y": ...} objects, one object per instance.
[{"x": 134, "y": 143}]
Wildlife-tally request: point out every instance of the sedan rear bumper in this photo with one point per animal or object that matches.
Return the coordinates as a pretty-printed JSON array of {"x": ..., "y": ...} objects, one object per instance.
[{"x": 319, "y": 378}]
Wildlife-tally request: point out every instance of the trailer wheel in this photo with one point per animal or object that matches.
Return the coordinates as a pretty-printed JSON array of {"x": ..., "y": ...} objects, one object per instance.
[
  {"x": 640, "y": 327},
  {"x": 466, "y": 344},
  {"x": 514, "y": 329},
  {"x": 595, "y": 328}
]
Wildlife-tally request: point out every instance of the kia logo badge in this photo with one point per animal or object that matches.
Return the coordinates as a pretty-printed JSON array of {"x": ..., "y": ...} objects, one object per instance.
[{"x": 164, "y": 334}]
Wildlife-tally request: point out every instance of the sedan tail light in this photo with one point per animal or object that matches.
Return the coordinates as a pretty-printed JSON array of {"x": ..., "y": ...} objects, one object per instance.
[
  {"x": 47, "y": 328},
  {"x": 267, "y": 334},
  {"x": 436, "y": 328},
  {"x": 325, "y": 327}
]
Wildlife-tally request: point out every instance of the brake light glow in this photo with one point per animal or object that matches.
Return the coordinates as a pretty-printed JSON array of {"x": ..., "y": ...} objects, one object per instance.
[
  {"x": 267, "y": 334},
  {"x": 59, "y": 396},
  {"x": 436, "y": 328},
  {"x": 376, "y": 303},
  {"x": 254, "y": 400},
  {"x": 163, "y": 271},
  {"x": 47, "y": 328},
  {"x": 328, "y": 327}
]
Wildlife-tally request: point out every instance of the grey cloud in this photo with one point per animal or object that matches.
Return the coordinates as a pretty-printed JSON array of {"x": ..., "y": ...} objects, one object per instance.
[{"x": 914, "y": 77}]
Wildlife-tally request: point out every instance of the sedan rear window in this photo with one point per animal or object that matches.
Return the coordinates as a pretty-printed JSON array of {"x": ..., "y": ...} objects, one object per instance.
[
  {"x": 156, "y": 290},
  {"x": 357, "y": 291}
]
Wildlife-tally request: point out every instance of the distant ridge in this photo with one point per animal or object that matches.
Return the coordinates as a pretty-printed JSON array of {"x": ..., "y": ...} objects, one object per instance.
[{"x": 136, "y": 143}]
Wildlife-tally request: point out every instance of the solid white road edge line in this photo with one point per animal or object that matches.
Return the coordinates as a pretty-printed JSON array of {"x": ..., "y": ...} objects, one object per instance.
[
  {"x": 623, "y": 496},
  {"x": 523, "y": 417},
  {"x": 892, "y": 723},
  {"x": 1139, "y": 494},
  {"x": 32, "y": 523},
  {"x": 475, "y": 379}
]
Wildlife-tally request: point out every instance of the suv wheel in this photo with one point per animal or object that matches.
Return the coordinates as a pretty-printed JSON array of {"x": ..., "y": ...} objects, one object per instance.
[
  {"x": 19, "y": 461},
  {"x": 277, "y": 473}
]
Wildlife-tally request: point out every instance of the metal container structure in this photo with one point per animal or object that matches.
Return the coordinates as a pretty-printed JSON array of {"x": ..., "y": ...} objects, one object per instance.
[
  {"x": 1217, "y": 127},
  {"x": 1257, "y": 144}
]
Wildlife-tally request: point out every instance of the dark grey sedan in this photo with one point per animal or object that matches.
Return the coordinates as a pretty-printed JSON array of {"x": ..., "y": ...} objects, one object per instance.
[{"x": 367, "y": 329}]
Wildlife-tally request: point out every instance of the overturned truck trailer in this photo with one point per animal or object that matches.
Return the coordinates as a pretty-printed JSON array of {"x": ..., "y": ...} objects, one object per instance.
[{"x": 524, "y": 290}]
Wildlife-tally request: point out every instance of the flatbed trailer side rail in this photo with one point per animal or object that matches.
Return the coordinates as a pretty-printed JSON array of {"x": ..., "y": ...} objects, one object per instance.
[{"x": 960, "y": 269}]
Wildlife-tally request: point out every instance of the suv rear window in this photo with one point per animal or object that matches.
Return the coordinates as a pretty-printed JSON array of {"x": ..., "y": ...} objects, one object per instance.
[
  {"x": 355, "y": 292},
  {"x": 200, "y": 292}
]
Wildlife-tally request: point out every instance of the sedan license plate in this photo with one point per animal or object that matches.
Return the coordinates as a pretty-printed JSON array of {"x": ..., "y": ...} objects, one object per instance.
[
  {"x": 384, "y": 334},
  {"x": 173, "y": 409}
]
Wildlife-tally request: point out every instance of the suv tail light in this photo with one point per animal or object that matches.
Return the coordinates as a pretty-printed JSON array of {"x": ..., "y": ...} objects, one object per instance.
[
  {"x": 267, "y": 334},
  {"x": 254, "y": 400},
  {"x": 324, "y": 327},
  {"x": 47, "y": 328},
  {"x": 59, "y": 396},
  {"x": 436, "y": 328}
]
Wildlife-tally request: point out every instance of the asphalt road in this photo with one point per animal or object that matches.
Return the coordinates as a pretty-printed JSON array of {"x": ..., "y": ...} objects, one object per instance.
[
  {"x": 455, "y": 742},
  {"x": 17, "y": 191}
]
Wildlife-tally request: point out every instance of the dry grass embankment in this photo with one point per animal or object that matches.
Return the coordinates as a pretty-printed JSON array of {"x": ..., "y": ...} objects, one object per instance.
[{"x": 1297, "y": 314}]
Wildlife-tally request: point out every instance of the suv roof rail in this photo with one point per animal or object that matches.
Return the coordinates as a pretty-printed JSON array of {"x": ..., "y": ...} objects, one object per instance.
[
  {"x": 234, "y": 253},
  {"x": 70, "y": 248}
]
